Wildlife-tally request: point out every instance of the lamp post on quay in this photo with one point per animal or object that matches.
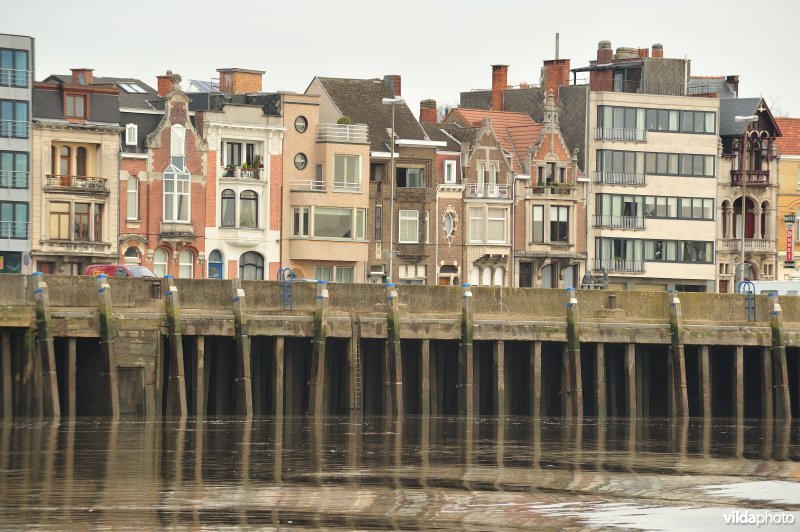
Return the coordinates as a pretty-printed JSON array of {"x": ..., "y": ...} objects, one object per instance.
[
  {"x": 391, "y": 101},
  {"x": 743, "y": 173}
]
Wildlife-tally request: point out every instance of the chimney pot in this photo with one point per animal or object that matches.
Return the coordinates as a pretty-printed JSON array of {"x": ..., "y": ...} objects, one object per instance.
[
  {"x": 427, "y": 112},
  {"x": 658, "y": 50},
  {"x": 604, "y": 52},
  {"x": 499, "y": 84}
]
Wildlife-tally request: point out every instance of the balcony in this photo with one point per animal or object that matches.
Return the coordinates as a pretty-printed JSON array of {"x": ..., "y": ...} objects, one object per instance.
[
  {"x": 14, "y": 230},
  {"x": 235, "y": 172},
  {"x": 755, "y": 178},
  {"x": 559, "y": 190},
  {"x": 12, "y": 77},
  {"x": 346, "y": 186},
  {"x": 343, "y": 133},
  {"x": 620, "y": 178},
  {"x": 750, "y": 244},
  {"x": 176, "y": 231},
  {"x": 242, "y": 237},
  {"x": 490, "y": 191},
  {"x": 618, "y": 222},
  {"x": 76, "y": 183},
  {"x": 620, "y": 265},
  {"x": 307, "y": 185},
  {"x": 619, "y": 133}
]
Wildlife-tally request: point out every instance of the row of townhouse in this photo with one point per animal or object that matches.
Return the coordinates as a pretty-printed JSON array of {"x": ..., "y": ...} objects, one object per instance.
[{"x": 632, "y": 177}]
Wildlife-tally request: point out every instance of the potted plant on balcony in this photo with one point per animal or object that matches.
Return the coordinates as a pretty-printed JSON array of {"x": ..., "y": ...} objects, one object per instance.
[
  {"x": 257, "y": 161},
  {"x": 247, "y": 170},
  {"x": 230, "y": 171}
]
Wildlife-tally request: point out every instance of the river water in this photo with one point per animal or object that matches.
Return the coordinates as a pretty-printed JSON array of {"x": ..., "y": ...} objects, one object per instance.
[{"x": 419, "y": 473}]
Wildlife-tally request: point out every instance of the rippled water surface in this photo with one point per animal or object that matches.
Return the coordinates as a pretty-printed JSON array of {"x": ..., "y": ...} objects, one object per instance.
[{"x": 361, "y": 473}]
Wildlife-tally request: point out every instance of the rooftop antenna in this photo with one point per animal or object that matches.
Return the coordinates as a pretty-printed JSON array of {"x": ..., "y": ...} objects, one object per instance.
[{"x": 556, "y": 46}]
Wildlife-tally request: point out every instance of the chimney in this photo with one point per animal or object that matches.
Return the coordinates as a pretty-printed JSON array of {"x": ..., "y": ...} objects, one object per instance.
[
  {"x": 499, "y": 84},
  {"x": 604, "y": 52},
  {"x": 644, "y": 52},
  {"x": 240, "y": 80},
  {"x": 658, "y": 50},
  {"x": 556, "y": 74},
  {"x": 164, "y": 83},
  {"x": 392, "y": 82},
  {"x": 733, "y": 83},
  {"x": 82, "y": 76},
  {"x": 427, "y": 112}
]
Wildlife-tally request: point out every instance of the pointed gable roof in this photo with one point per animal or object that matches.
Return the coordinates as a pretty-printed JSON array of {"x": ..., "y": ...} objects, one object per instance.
[
  {"x": 517, "y": 132},
  {"x": 361, "y": 101}
]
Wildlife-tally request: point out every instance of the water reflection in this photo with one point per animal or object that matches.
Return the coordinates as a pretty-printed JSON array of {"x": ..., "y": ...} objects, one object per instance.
[{"x": 377, "y": 472}]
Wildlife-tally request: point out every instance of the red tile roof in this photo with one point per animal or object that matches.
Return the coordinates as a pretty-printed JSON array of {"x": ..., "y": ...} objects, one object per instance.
[
  {"x": 789, "y": 141},
  {"x": 517, "y": 132}
]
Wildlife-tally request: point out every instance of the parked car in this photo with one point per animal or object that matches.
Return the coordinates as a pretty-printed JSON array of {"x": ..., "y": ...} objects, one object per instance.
[{"x": 118, "y": 270}]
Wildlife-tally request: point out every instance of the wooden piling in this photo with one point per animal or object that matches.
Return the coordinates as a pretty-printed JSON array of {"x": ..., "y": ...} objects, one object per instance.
[
  {"x": 574, "y": 380},
  {"x": 244, "y": 390},
  {"x": 536, "y": 378},
  {"x": 176, "y": 385},
  {"x": 315, "y": 403},
  {"x": 200, "y": 385},
  {"x": 681, "y": 396},
  {"x": 72, "y": 377},
  {"x": 109, "y": 362},
  {"x": 600, "y": 378},
  {"x": 466, "y": 403},
  {"x": 8, "y": 402},
  {"x": 278, "y": 387},
  {"x": 783, "y": 407},
  {"x": 738, "y": 382},
  {"x": 704, "y": 369},
  {"x": 426, "y": 377},
  {"x": 394, "y": 382},
  {"x": 44, "y": 342},
  {"x": 499, "y": 370},
  {"x": 630, "y": 380},
  {"x": 766, "y": 383}
]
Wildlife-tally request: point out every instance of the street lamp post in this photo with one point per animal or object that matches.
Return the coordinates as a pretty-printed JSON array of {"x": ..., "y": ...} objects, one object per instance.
[
  {"x": 391, "y": 101},
  {"x": 743, "y": 173}
]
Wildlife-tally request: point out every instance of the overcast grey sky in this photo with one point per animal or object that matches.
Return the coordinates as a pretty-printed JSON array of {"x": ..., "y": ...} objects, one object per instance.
[{"x": 439, "y": 47}]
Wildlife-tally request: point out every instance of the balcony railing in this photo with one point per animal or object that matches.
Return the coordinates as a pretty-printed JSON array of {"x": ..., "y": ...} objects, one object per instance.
[
  {"x": 620, "y": 133},
  {"x": 77, "y": 182},
  {"x": 346, "y": 133},
  {"x": 750, "y": 244},
  {"x": 488, "y": 190},
  {"x": 553, "y": 190},
  {"x": 346, "y": 186},
  {"x": 240, "y": 173},
  {"x": 303, "y": 184},
  {"x": 13, "y": 179},
  {"x": 17, "y": 129},
  {"x": 12, "y": 77},
  {"x": 619, "y": 265},
  {"x": 620, "y": 178},
  {"x": 619, "y": 222},
  {"x": 14, "y": 230},
  {"x": 755, "y": 178}
]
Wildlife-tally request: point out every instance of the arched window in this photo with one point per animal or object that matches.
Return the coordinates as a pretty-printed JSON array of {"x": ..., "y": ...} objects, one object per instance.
[
  {"x": 133, "y": 198},
  {"x": 64, "y": 160},
  {"x": 186, "y": 263},
  {"x": 486, "y": 278},
  {"x": 160, "y": 262},
  {"x": 80, "y": 160},
  {"x": 251, "y": 266},
  {"x": 498, "y": 276},
  {"x": 132, "y": 255},
  {"x": 547, "y": 276},
  {"x": 475, "y": 276},
  {"x": 248, "y": 215},
  {"x": 228, "y": 212},
  {"x": 215, "y": 264},
  {"x": 765, "y": 219}
]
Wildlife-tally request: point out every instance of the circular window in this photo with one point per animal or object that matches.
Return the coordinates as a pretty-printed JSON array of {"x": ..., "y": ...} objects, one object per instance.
[
  {"x": 300, "y": 161},
  {"x": 301, "y": 124}
]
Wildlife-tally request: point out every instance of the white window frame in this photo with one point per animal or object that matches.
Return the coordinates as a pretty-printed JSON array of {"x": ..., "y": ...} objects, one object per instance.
[
  {"x": 133, "y": 198},
  {"x": 504, "y": 219},
  {"x": 160, "y": 267},
  {"x": 477, "y": 221},
  {"x": 183, "y": 263},
  {"x": 450, "y": 172},
  {"x": 181, "y": 185},
  {"x": 131, "y": 134},
  {"x": 320, "y": 269},
  {"x": 346, "y": 183},
  {"x": 304, "y": 230},
  {"x": 340, "y": 270},
  {"x": 408, "y": 219}
]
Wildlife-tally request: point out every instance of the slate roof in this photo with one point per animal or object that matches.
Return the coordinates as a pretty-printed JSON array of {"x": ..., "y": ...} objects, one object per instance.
[
  {"x": 360, "y": 100},
  {"x": 49, "y": 105},
  {"x": 147, "y": 100},
  {"x": 517, "y": 132},
  {"x": 710, "y": 84},
  {"x": 146, "y": 123},
  {"x": 729, "y": 109},
  {"x": 789, "y": 141}
]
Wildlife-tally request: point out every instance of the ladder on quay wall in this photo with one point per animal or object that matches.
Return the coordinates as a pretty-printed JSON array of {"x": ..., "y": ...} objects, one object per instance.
[{"x": 356, "y": 347}]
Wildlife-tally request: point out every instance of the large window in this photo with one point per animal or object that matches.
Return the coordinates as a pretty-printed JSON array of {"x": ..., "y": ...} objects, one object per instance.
[
  {"x": 488, "y": 224},
  {"x": 13, "y": 220},
  {"x": 13, "y": 68},
  {"x": 160, "y": 262},
  {"x": 228, "y": 210},
  {"x": 347, "y": 172},
  {"x": 332, "y": 222},
  {"x": 496, "y": 226},
  {"x": 64, "y": 160},
  {"x": 629, "y": 254},
  {"x": 177, "y": 181},
  {"x": 13, "y": 169},
  {"x": 251, "y": 266},
  {"x": 80, "y": 161},
  {"x": 476, "y": 224},
  {"x": 97, "y": 232},
  {"x": 409, "y": 178},
  {"x": 59, "y": 220},
  {"x": 186, "y": 264},
  {"x": 559, "y": 224},
  {"x": 215, "y": 264},
  {"x": 81, "y": 222},
  {"x": 133, "y": 198},
  {"x": 248, "y": 212},
  {"x": 408, "y": 228},
  {"x": 13, "y": 119},
  {"x": 538, "y": 224},
  {"x": 664, "y": 120}
]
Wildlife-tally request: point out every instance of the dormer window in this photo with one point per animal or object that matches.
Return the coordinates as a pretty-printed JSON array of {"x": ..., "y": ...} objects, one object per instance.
[
  {"x": 131, "y": 134},
  {"x": 75, "y": 106}
]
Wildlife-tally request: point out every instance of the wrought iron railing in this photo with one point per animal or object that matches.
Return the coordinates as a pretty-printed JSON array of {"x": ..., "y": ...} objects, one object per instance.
[
  {"x": 235, "y": 172},
  {"x": 74, "y": 181},
  {"x": 488, "y": 190}
]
